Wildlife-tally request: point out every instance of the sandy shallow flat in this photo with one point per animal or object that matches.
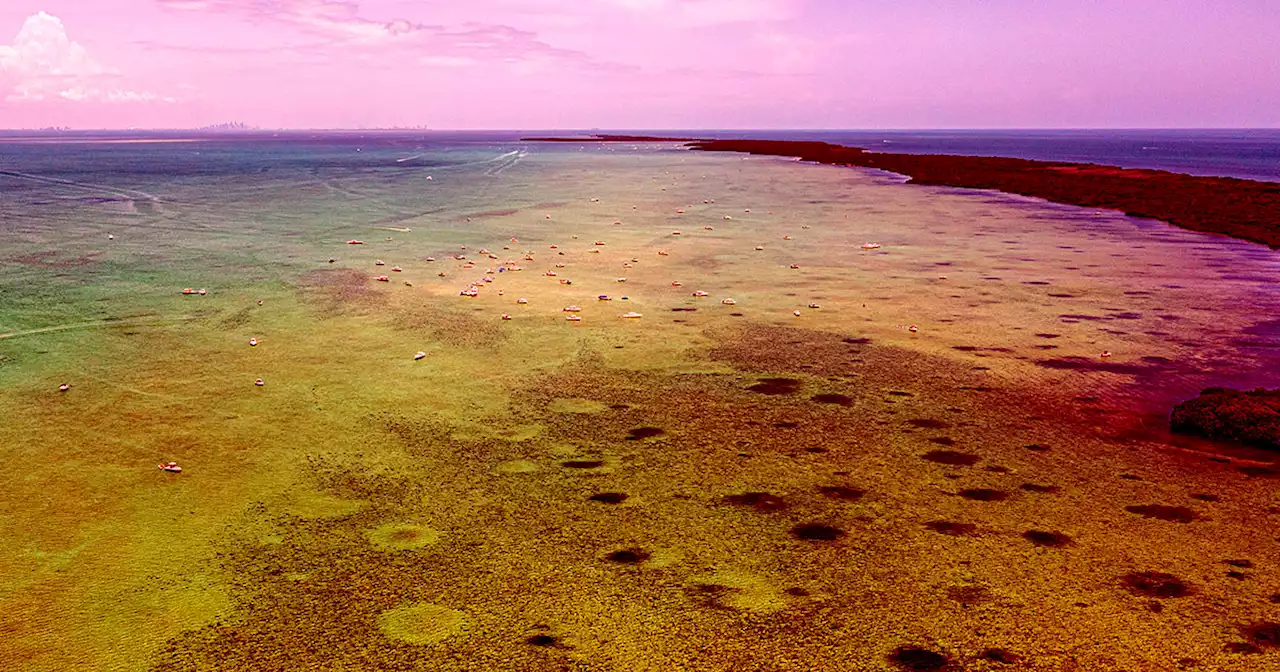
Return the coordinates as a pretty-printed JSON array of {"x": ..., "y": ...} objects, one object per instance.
[{"x": 711, "y": 486}]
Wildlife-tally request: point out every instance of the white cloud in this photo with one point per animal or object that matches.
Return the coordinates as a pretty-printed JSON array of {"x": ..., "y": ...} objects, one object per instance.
[
  {"x": 44, "y": 64},
  {"x": 706, "y": 12}
]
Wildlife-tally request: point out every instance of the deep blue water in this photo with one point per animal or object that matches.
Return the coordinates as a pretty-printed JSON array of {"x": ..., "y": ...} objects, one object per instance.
[{"x": 1248, "y": 153}]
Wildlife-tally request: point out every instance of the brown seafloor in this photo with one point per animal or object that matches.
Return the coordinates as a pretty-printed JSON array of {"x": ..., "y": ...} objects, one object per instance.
[{"x": 752, "y": 527}]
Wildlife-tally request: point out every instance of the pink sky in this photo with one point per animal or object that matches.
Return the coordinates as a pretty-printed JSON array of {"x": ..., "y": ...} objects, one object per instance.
[{"x": 640, "y": 63}]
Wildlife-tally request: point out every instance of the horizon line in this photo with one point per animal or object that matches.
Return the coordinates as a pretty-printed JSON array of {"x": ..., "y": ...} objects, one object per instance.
[{"x": 608, "y": 131}]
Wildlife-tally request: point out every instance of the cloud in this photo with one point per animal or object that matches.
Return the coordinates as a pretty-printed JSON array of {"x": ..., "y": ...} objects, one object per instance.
[
  {"x": 43, "y": 64},
  {"x": 706, "y": 12},
  {"x": 336, "y": 19},
  {"x": 340, "y": 23}
]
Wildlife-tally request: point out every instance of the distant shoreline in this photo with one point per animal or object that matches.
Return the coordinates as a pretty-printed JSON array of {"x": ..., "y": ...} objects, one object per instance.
[{"x": 1244, "y": 209}]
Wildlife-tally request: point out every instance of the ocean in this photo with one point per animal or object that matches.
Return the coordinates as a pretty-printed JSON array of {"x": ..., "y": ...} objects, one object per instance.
[
  {"x": 1252, "y": 154},
  {"x": 807, "y": 417}
]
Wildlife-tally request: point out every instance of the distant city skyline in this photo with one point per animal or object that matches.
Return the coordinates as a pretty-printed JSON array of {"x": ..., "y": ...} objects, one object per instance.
[{"x": 640, "y": 64}]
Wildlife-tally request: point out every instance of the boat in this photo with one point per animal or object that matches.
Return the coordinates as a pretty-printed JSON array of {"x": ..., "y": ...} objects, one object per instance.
[
  {"x": 355, "y": 242},
  {"x": 631, "y": 316},
  {"x": 379, "y": 262},
  {"x": 419, "y": 355},
  {"x": 573, "y": 318},
  {"x": 64, "y": 387},
  {"x": 729, "y": 302},
  {"x": 700, "y": 293},
  {"x": 253, "y": 341},
  {"x": 382, "y": 278},
  {"x": 571, "y": 309},
  {"x": 171, "y": 467},
  {"x": 604, "y": 297},
  {"x": 871, "y": 246}
]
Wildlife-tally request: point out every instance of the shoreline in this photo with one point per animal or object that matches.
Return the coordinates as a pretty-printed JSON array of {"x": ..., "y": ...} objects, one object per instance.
[{"x": 1244, "y": 209}]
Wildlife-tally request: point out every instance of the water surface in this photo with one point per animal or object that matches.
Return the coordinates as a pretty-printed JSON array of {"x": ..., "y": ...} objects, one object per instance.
[{"x": 711, "y": 486}]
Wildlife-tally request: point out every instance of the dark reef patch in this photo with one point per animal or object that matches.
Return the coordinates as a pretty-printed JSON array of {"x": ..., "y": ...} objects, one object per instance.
[
  {"x": 1037, "y": 488},
  {"x": 609, "y": 497},
  {"x": 1251, "y": 417},
  {"x": 1087, "y": 364},
  {"x": 916, "y": 659},
  {"x": 1001, "y": 656},
  {"x": 951, "y": 457},
  {"x": 984, "y": 495},
  {"x": 829, "y": 398},
  {"x": 628, "y": 556},
  {"x": 582, "y": 464},
  {"x": 817, "y": 532},
  {"x": 952, "y": 529},
  {"x": 842, "y": 493},
  {"x": 776, "y": 386},
  {"x": 969, "y": 595},
  {"x": 1155, "y": 584},
  {"x": 1264, "y": 635},
  {"x": 641, "y": 433},
  {"x": 1172, "y": 514},
  {"x": 1047, "y": 539},
  {"x": 760, "y": 501}
]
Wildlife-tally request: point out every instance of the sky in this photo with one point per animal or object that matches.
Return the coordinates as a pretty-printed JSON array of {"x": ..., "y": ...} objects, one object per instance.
[{"x": 640, "y": 64}]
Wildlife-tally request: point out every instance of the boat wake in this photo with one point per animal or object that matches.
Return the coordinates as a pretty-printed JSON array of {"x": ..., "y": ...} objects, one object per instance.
[
  {"x": 138, "y": 322},
  {"x": 128, "y": 194}
]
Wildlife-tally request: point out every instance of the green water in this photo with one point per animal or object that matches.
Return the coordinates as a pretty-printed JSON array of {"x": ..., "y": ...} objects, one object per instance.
[{"x": 366, "y": 510}]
